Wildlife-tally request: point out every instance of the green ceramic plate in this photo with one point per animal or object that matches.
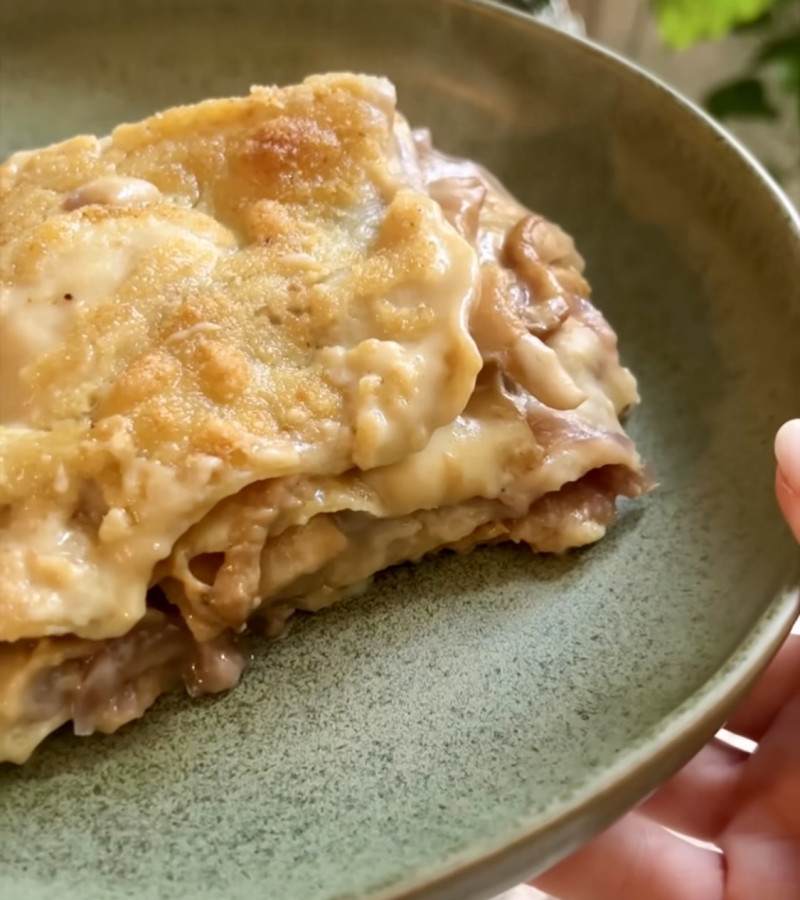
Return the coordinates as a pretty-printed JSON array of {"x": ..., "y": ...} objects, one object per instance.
[{"x": 470, "y": 720}]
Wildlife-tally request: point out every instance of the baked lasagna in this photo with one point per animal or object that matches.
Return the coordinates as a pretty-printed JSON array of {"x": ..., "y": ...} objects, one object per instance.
[{"x": 252, "y": 352}]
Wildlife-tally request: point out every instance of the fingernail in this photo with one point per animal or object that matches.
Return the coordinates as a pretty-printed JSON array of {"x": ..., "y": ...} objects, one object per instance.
[{"x": 787, "y": 452}]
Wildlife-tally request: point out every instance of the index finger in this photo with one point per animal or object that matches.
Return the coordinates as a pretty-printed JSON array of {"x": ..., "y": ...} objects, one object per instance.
[
  {"x": 787, "y": 479},
  {"x": 770, "y": 694}
]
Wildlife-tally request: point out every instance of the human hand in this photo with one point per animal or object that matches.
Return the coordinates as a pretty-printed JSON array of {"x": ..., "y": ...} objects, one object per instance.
[
  {"x": 747, "y": 805},
  {"x": 787, "y": 481}
]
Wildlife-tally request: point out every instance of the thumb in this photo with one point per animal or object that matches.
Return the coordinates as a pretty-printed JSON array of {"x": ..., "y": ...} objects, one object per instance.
[{"x": 787, "y": 482}]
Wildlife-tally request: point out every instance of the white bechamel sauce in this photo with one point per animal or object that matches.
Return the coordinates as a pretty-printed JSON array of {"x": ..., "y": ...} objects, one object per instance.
[
  {"x": 80, "y": 271},
  {"x": 112, "y": 190}
]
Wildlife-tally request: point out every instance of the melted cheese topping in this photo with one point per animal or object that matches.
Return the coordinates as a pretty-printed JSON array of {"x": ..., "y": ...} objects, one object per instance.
[{"x": 245, "y": 288}]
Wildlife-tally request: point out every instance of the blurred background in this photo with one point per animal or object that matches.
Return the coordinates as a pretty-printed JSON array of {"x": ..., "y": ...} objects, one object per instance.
[{"x": 740, "y": 59}]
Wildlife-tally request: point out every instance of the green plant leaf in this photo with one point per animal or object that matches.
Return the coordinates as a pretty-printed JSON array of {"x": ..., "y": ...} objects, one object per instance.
[
  {"x": 743, "y": 98},
  {"x": 684, "y": 22},
  {"x": 759, "y": 24},
  {"x": 784, "y": 54},
  {"x": 786, "y": 47},
  {"x": 531, "y": 6}
]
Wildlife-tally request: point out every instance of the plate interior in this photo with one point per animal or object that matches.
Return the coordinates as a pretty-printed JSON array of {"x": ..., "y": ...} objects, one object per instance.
[{"x": 463, "y": 700}]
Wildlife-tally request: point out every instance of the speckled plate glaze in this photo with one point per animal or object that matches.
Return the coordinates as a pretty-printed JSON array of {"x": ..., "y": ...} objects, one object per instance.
[{"x": 470, "y": 720}]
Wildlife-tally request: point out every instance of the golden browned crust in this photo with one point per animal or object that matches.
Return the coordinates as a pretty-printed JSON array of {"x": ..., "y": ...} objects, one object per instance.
[{"x": 225, "y": 293}]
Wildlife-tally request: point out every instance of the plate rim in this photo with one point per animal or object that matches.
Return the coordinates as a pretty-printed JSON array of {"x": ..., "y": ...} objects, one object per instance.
[{"x": 481, "y": 871}]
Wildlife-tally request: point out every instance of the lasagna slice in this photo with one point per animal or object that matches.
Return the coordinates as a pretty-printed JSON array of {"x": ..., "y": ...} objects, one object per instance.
[{"x": 253, "y": 351}]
